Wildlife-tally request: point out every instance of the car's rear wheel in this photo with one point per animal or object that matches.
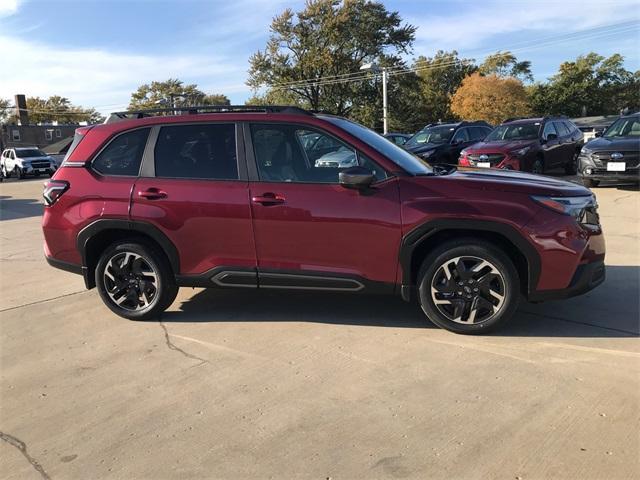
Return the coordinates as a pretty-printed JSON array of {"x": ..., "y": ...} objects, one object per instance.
[
  {"x": 468, "y": 286},
  {"x": 571, "y": 168},
  {"x": 135, "y": 281}
]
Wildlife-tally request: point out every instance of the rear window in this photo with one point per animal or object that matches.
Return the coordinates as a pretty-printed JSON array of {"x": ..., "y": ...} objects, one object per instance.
[
  {"x": 205, "y": 151},
  {"x": 123, "y": 155},
  {"x": 77, "y": 138}
]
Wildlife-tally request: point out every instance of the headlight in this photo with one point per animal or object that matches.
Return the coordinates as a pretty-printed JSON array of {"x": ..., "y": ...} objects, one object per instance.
[
  {"x": 586, "y": 151},
  {"x": 574, "y": 206},
  {"x": 463, "y": 153},
  {"x": 426, "y": 154},
  {"x": 521, "y": 152}
]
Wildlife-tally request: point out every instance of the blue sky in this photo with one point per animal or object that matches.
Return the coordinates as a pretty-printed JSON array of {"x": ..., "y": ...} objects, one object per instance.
[{"x": 96, "y": 52}]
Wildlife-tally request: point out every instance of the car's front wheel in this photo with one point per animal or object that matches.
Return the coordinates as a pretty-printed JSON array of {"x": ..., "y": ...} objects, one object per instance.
[
  {"x": 468, "y": 286},
  {"x": 135, "y": 281}
]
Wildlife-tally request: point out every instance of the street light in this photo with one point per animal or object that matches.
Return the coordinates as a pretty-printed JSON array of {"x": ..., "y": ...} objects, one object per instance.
[{"x": 375, "y": 68}]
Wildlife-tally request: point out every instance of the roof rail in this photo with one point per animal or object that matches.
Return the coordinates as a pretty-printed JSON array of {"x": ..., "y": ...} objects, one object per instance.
[{"x": 133, "y": 114}]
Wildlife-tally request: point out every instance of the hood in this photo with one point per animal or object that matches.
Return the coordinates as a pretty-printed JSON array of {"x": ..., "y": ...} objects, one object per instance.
[
  {"x": 33, "y": 159},
  {"x": 624, "y": 144},
  {"x": 517, "y": 182},
  {"x": 500, "y": 146},
  {"x": 422, "y": 147}
]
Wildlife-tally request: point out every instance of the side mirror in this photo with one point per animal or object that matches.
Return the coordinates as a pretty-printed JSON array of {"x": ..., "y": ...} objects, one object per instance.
[
  {"x": 356, "y": 177},
  {"x": 598, "y": 134}
]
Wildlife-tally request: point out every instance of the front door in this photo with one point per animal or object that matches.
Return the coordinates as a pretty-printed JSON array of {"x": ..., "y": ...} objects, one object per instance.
[
  {"x": 194, "y": 190},
  {"x": 310, "y": 232},
  {"x": 552, "y": 146}
]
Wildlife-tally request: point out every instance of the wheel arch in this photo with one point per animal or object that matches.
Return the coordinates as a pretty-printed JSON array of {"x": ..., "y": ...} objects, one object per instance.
[
  {"x": 421, "y": 240},
  {"x": 98, "y": 235}
]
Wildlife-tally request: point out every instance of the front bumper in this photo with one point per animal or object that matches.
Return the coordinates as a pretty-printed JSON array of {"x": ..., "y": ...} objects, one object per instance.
[
  {"x": 507, "y": 162},
  {"x": 588, "y": 169},
  {"x": 587, "y": 277}
]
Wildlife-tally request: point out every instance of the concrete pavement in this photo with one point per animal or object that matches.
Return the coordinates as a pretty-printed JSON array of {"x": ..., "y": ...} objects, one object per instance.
[{"x": 237, "y": 384}]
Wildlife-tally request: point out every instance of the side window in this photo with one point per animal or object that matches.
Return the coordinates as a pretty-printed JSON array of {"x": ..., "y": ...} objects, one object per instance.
[
  {"x": 462, "y": 135},
  {"x": 548, "y": 129},
  {"x": 478, "y": 133},
  {"x": 562, "y": 130},
  {"x": 206, "y": 151},
  {"x": 287, "y": 153},
  {"x": 570, "y": 126},
  {"x": 123, "y": 155}
]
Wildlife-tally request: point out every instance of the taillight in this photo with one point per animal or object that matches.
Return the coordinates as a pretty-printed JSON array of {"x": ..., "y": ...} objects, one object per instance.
[{"x": 53, "y": 190}]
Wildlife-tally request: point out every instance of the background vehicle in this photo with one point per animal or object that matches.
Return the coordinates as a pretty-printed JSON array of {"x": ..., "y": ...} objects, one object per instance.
[
  {"x": 58, "y": 150},
  {"x": 236, "y": 199},
  {"x": 20, "y": 162},
  {"x": 530, "y": 144},
  {"x": 442, "y": 143},
  {"x": 614, "y": 156},
  {"x": 398, "y": 138}
]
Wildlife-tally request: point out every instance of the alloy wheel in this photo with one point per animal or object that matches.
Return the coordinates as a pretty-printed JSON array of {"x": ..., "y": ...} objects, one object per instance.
[
  {"x": 130, "y": 281},
  {"x": 468, "y": 290}
]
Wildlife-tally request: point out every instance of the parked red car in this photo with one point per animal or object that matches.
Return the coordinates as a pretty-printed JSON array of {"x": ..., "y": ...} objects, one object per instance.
[
  {"x": 529, "y": 144},
  {"x": 241, "y": 197}
]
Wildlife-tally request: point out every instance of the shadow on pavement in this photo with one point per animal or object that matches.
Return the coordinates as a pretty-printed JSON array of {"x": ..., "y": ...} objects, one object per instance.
[
  {"x": 611, "y": 310},
  {"x": 15, "y": 208}
]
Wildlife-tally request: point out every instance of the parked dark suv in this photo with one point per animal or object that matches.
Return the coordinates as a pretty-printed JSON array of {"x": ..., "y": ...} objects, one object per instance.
[
  {"x": 529, "y": 144},
  {"x": 614, "y": 156},
  {"x": 441, "y": 143},
  {"x": 238, "y": 197}
]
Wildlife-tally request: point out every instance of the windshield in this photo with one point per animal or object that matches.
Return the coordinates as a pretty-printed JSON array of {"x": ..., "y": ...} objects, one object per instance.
[
  {"x": 526, "y": 131},
  {"x": 624, "y": 127},
  {"x": 31, "y": 152},
  {"x": 390, "y": 150},
  {"x": 431, "y": 135}
]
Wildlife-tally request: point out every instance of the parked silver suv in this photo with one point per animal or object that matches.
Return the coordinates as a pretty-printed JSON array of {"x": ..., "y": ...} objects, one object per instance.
[{"x": 24, "y": 161}]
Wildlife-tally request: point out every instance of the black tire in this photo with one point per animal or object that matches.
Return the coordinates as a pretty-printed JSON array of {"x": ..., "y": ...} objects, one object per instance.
[
  {"x": 470, "y": 250},
  {"x": 590, "y": 183},
  {"x": 538, "y": 166},
  {"x": 571, "y": 168},
  {"x": 19, "y": 173},
  {"x": 164, "y": 289}
]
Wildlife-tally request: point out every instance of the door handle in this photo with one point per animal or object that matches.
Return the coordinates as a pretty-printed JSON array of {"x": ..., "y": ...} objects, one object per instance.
[
  {"x": 268, "y": 199},
  {"x": 152, "y": 194}
]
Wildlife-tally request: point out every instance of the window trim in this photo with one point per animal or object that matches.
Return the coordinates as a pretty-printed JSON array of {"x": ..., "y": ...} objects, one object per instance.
[
  {"x": 48, "y": 134},
  {"x": 252, "y": 164},
  {"x": 148, "y": 165},
  {"x": 111, "y": 140},
  {"x": 13, "y": 135}
]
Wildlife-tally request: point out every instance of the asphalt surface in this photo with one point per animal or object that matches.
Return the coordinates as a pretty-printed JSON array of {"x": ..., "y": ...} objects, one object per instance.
[{"x": 238, "y": 384}]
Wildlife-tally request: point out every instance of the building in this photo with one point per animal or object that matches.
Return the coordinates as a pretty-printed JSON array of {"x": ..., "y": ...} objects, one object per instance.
[{"x": 22, "y": 134}]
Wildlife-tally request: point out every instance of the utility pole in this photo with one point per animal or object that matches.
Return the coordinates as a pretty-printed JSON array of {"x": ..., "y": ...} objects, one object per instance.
[{"x": 375, "y": 68}]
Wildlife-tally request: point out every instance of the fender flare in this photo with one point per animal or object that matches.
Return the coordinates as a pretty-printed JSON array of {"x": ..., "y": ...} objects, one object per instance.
[
  {"x": 100, "y": 225},
  {"x": 422, "y": 232}
]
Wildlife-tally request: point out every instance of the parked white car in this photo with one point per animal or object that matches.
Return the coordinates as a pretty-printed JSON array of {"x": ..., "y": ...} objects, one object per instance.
[{"x": 24, "y": 161}]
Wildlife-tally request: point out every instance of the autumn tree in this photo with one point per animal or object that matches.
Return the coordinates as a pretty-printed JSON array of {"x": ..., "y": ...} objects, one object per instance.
[
  {"x": 490, "y": 98},
  {"x": 505, "y": 64},
  {"x": 56, "y": 109},
  {"x": 316, "y": 54},
  {"x": 159, "y": 94}
]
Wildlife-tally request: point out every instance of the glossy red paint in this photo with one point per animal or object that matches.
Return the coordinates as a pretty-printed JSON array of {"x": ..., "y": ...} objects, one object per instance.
[{"x": 314, "y": 227}]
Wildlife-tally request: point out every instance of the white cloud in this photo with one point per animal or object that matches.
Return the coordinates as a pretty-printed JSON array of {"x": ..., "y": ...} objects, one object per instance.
[
  {"x": 104, "y": 79},
  {"x": 472, "y": 27},
  {"x": 8, "y": 7}
]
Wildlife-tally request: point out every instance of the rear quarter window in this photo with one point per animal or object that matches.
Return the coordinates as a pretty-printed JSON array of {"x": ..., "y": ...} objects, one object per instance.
[{"x": 122, "y": 156}]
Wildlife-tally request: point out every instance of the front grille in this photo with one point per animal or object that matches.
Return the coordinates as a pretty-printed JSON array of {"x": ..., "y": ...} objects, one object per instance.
[
  {"x": 40, "y": 164},
  {"x": 631, "y": 158},
  {"x": 492, "y": 158}
]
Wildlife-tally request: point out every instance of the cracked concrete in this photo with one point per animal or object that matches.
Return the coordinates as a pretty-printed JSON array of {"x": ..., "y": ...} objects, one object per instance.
[{"x": 299, "y": 385}]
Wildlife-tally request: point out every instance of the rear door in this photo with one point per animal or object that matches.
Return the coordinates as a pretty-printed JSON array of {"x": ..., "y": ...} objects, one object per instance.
[
  {"x": 193, "y": 187},
  {"x": 310, "y": 231}
]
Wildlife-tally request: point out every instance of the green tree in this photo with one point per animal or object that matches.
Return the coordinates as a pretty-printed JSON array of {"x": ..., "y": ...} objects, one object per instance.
[
  {"x": 59, "y": 109},
  {"x": 591, "y": 85},
  {"x": 313, "y": 53},
  {"x": 440, "y": 76},
  {"x": 161, "y": 94},
  {"x": 6, "y": 110},
  {"x": 505, "y": 64}
]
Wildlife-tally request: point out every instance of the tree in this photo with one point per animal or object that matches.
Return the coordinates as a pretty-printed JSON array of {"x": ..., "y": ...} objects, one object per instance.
[
  {"x": 440, "y": 76},
  {"x": 57, "y": 109},
  {"x": 314, "y": 54},
  {"x": 490, "y": 98},
  {"x": 505, "y": 64},
  {"x": 162, "y": 94},
  {"x": 6, "y": 110},
  {"x": 591, "y": 85}
]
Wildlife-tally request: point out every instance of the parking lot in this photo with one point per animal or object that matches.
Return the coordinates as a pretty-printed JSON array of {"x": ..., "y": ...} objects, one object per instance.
[{"x": 239, "y": 384}]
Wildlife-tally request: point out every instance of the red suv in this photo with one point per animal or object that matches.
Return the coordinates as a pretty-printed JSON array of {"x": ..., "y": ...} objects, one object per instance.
[
  {"x": 529, "y": 144},
  {"x": 243, "y": 197}
]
